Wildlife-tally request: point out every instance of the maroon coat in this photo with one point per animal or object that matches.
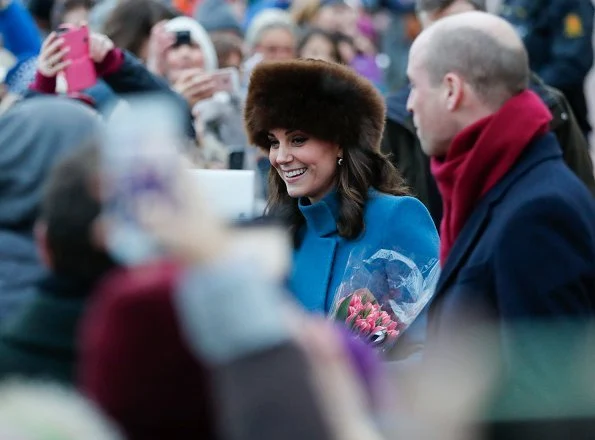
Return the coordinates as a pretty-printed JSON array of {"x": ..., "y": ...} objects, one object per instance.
[{"x": 134, "y": 363}]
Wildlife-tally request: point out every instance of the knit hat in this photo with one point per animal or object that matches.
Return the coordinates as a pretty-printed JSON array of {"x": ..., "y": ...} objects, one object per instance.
[
  {"x": 216, "y": 15},
  {"x": 199, "y": 36},
  {"x": 326, "y": 100}
]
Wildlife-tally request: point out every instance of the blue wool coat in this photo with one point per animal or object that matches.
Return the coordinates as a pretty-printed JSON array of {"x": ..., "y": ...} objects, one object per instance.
[
  {"x": 525, "y": 257},
  {"x": 321, "y": 257}
]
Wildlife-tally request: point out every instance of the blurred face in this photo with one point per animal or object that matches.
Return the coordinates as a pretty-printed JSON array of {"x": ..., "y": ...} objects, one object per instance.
[
  {"x": 429, "y": 105},
  {"x": 319, "y": 47},
  {"x": 234, "y": 59},
  {"x": 76, "y": 16},
  {"x": 180, "y": 58},
  {"x": 328, "y": 18},
  {"x": 276, "y": 45},
  {"x": 428, "y": 17},
  {"x": 307, "y": 165}
]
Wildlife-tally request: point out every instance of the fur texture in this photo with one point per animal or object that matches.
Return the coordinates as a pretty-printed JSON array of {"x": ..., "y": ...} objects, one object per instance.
[{"x": 325, "y": 100}]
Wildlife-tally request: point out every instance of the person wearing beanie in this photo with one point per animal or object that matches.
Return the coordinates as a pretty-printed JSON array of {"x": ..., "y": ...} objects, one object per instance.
[
  {"x": 321, "y": 124},
  {"x": 217, "y": 17}
]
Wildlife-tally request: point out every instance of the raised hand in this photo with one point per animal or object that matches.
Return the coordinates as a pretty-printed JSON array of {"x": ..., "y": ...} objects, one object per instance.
[{"x": 51, "y": 58}]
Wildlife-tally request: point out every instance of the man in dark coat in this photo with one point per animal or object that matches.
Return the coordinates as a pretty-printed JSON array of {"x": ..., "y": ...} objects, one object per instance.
[
  {"x": 401, "y": 141},
  {"x": 40, "y": 341},
  {"x": 518, "y": 231}
]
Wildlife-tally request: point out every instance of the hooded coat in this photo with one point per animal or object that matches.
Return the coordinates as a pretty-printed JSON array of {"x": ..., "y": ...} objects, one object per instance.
[{"x": 34, "y": 135}]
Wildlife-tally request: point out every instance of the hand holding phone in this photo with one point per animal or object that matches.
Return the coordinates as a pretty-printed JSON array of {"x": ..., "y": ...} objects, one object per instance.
[
  {"x": 80, "y": 71},
  {"x": 195, "y": 85},
  {"x": 99, "y": 47},
  {"x": 52, "y": 58},
  {"x": 227, "y": 80}
]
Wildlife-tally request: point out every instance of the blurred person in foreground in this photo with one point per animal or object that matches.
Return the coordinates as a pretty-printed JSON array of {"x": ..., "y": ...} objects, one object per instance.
[
  {"x": 41, "y": 340},
  {"x": 34, "y": 135},
  {"x": 402, "y": 142},
  {"x": 518, "y": 236},
  {"x": 40, "y": 410},
  {"x": 558, "y": 35}
]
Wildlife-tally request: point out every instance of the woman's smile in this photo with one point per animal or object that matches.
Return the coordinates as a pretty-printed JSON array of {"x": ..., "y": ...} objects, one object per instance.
[{"x": 291, "y": 176}]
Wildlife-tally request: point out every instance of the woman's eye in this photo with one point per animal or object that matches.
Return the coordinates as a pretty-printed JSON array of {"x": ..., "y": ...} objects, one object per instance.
[
  {"x": 299, "y": 140},
  {"x": 273, "y": 143}
]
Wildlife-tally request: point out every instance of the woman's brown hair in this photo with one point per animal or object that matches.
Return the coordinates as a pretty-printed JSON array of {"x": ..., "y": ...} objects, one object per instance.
[
  {"x": 361, "y": 170},
  {"x": 130, "y": 23}
]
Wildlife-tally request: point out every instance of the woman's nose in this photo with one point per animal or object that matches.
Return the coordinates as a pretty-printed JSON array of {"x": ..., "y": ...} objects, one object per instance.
[{"x": 283, "y": 154}]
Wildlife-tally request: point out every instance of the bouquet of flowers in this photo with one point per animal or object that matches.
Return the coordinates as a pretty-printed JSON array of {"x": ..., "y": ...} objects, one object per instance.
[{"x": 382, "y": 294}]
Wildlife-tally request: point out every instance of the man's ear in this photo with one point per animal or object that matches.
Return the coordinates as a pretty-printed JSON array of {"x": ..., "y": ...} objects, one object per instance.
[
  {"x": 454, "y": 90},
  {"x": 43, "y": 248}
]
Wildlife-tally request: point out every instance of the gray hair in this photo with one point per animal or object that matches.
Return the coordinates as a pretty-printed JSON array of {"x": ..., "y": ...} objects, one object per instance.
[
  {"x": 495, "y": 71},
  {"x": 266, "y": 20},
  {"x": 440, "y": 5}
]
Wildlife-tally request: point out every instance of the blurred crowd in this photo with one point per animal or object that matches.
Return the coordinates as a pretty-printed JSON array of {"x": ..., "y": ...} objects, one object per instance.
[{"x": 419, "y": 254}]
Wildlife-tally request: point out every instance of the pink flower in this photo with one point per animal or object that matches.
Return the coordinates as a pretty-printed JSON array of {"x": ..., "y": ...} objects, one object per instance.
[
  {"x": 356, "y": 301},
  {"x": 363, "y": 326},
  {"x": 373, "y": 317},
  {"x": 385, "y": 319},
  {"x": 392, "y": 334},
  {"x": 392, "y": 326}
]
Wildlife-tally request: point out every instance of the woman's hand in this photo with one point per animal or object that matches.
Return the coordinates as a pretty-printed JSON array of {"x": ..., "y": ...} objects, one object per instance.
[
  {"x": 159, "y": 42},
  {"x": 51, "y": 58},
  {"x": 195, "y": 86},
  {"x": 99, "y": 47}
]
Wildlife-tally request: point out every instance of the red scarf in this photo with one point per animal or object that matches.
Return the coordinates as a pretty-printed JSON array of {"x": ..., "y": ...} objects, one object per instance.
[{"x": 480, "y": 156}]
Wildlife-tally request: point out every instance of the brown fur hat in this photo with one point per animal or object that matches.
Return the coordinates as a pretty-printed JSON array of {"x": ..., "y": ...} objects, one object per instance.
[{"x": 325, "y": 100}]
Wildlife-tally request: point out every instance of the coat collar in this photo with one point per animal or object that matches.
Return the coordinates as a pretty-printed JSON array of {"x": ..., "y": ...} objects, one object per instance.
[
  {"x": 321, "y": 216},
  {"x": 545, "y": 148}
]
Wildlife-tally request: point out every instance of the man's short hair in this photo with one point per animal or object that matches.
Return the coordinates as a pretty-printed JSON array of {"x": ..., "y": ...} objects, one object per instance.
[
  {"x": 440, "y": 5},
  {"x": 69, "y": 210},
  {"x": 496, "y": 72}
]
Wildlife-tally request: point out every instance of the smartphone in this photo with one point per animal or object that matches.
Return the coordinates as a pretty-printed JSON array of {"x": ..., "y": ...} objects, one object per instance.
[
  {"x": 81, "y": 73},
  {"x": 227, "y": 80},
  {"x": 183, "y": 38},
  {"x": 236, "y": 160}
]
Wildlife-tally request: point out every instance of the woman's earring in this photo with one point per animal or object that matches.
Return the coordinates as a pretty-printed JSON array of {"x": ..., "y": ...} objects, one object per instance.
[{"x": 340, "y": 161}]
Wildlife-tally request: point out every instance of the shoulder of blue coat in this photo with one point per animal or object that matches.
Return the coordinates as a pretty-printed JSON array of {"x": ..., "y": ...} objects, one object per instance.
[{"x": 381, "y": 202}]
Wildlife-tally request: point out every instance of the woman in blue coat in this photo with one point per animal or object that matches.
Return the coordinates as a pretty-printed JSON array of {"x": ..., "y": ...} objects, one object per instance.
[{"x": 321, "y": 125}]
